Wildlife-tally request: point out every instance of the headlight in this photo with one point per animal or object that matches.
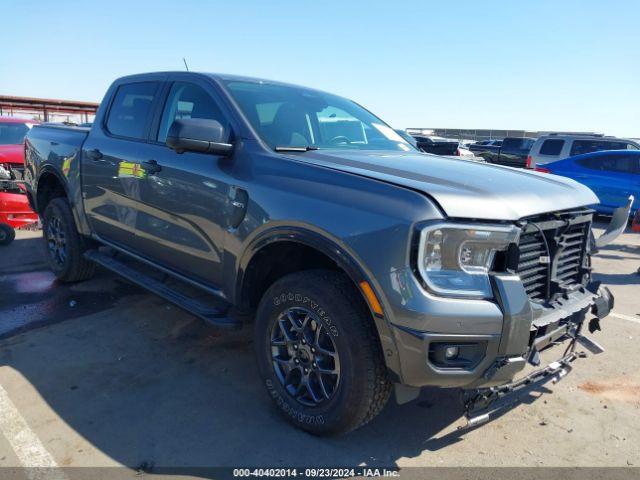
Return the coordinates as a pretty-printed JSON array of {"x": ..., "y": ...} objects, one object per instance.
[{"x": 455, "y": 259}]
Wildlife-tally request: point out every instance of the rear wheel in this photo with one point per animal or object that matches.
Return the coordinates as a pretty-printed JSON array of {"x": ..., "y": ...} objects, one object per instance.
[
  {"x": 7, "y": 234},
  {"x": 64, "y": 245},
  {"x": 319, "y": 354}
]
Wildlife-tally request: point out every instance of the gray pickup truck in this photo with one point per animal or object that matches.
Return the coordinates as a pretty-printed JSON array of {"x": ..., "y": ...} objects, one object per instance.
[{"x": 360, "y": 262}]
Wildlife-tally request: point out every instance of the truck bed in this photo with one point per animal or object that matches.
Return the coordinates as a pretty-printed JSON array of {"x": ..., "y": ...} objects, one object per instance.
[
  {"x": 54, "y": 149},
  {"x": 52, "y": 144},
  {"x": 513, "y": 152}
]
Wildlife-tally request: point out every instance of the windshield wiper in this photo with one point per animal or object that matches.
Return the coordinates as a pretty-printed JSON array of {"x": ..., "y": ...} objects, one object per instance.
[{"x": 285, "y": 148}]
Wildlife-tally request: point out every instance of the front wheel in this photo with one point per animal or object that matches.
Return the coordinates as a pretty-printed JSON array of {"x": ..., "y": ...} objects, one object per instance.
[
  {"x": 7, "y": 234},
  {"x": 319, "y": 354}
]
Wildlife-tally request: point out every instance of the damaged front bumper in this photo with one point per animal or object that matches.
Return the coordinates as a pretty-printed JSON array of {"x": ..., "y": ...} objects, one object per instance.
[
  {"x": 497, "y": 356},
  {"x": 592, "y": 304},
  {"x": 481, "y": 346},
  {"x": 522, "y": 340},
  {"x": 480, "y": 405},
  {"x": 564, "y": 322}
]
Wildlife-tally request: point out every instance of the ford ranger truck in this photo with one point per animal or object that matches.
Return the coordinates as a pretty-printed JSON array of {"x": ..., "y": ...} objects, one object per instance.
[{"x": 361, "y": 262}]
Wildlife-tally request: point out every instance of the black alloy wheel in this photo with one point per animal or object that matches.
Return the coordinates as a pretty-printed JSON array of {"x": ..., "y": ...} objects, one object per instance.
[
  {"x": 56, "y": 241},
  {"x": 318, "y": 352},
  {"x": 305, "y": 357}
]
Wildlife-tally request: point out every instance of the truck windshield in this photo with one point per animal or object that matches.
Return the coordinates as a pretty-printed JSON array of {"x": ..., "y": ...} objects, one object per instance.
[
  {"x": 12, "y": 133},
  {"x": 288, "y": 116}
]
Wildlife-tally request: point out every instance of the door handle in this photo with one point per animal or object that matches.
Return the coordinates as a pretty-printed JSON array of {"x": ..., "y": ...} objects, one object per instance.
[
  {"x": 94, "y": 154},
  {"x": 151, "y": 167}
]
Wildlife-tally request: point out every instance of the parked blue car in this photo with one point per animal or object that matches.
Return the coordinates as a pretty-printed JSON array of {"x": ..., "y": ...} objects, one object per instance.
[{"x": 613, "y": 175}]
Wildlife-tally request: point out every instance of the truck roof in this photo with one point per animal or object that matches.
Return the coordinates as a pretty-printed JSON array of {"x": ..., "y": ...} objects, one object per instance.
[{"x": 219, "y": 77}]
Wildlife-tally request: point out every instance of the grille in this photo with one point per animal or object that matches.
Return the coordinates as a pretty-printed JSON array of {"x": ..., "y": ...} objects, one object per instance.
[
  {"x": 534, "y": 275},
  {"x": 568, "y": 269},
  {"x": 551, "y": 256}
]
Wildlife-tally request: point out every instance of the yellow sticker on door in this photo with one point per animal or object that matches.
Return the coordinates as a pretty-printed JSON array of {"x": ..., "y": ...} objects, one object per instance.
[
  {"x": 131, "y": 169},
  {"x": 66, "y": 166}
]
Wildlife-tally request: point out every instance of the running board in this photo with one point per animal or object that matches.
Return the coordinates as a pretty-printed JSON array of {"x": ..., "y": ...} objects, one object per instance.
[{"x": 211, "y": 315}]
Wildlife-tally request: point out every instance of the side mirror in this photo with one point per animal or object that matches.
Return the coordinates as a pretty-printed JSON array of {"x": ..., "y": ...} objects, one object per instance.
[{"x": 198, "y": 135}]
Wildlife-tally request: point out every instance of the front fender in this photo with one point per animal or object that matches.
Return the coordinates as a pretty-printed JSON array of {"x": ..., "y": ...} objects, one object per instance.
[{"x": 346, "y": 259}]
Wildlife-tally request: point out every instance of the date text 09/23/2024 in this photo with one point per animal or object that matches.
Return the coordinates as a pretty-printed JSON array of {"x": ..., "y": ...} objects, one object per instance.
[{"x": 316, "y": 472}]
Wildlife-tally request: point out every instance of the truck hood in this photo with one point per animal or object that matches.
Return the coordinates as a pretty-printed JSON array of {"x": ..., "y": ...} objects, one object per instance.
[
  {"x": 13, "y": 154},
  {"x": 462, "y": 188}
]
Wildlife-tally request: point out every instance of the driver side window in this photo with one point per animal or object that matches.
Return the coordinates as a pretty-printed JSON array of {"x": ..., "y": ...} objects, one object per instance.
[{"x": 187, "y": 100}]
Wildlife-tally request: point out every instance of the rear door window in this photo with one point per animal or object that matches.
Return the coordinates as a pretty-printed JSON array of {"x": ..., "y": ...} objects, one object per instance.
[
  {"x": 590, "y": 163},
  {"x": 611, "y": 163},
  {"x": 510, "y": 145},
  {"x": 552, "y": 147},
  {"x": 587, "y": 146},
  {"x": 620, "y": 164},
  {"x": 516, "y": 145},
  {"x": 130, "y": 110}
]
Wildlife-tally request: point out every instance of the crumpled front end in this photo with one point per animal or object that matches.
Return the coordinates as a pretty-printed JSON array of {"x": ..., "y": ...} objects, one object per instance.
[
  {"x": 543, "y": 296},
  {"x": 563, "y": 327},
  {"x": 14, "y": 205}
]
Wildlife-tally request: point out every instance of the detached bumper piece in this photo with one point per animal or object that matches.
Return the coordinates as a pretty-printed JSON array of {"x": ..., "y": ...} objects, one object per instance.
[{"x": 482, "y": 405}]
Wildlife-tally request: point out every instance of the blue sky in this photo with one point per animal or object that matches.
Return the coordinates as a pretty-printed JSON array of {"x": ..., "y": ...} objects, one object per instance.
[{"x": 538, "y": 65}]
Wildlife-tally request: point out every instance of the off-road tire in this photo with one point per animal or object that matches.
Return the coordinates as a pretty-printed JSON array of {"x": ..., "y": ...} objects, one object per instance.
[
  {"x": 7, "y": 234},
  {"x": 363, "y": 388},
  {"x": 75, "y": 267}
]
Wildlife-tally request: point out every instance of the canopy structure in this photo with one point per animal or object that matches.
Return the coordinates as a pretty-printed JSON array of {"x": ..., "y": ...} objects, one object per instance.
[{"x": 44, "y": 107}]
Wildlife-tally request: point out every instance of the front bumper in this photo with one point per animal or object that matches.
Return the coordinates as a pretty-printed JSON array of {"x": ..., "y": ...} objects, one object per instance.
[
  {"x": 481, "y": 404},
  {"x": 497, "y": 358},
  {"x": 15, "y": 209}
]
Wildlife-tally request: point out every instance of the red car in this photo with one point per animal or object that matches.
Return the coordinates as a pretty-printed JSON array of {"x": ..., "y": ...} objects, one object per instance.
[
  {"x": 12, "y": 133},
  {"x": 14, "y": 206}
]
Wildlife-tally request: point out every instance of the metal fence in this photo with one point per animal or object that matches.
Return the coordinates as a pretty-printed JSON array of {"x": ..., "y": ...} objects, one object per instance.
[{"x": 47, "y": 109}]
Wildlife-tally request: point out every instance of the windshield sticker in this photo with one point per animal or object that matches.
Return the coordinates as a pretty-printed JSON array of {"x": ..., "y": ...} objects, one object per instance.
[{"x": 389, "y": 133}]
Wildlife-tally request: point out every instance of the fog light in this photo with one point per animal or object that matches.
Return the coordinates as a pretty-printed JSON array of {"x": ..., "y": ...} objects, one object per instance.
[
  {"x": 456, "y": 355},
  {"x": 451, "y": 352}
]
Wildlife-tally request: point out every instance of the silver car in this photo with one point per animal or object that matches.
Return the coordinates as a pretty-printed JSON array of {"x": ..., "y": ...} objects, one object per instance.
[{"x": 552, "y": 147}]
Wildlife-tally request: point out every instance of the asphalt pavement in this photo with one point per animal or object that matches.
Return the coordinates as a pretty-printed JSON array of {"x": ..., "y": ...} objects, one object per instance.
[{"x": 102, "y": 373}]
